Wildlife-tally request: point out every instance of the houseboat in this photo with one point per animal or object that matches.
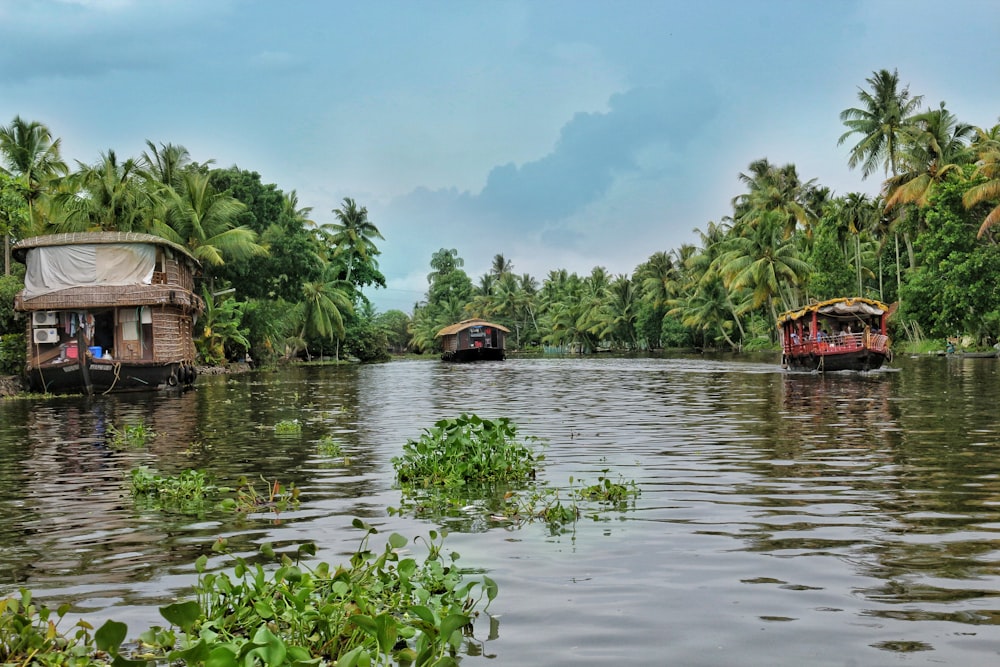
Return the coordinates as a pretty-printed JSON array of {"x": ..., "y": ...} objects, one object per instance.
[
  {"x": 473, "y": 340},
  {"x": 844, "y": 334},
  {"x": 108, "y": 311}
]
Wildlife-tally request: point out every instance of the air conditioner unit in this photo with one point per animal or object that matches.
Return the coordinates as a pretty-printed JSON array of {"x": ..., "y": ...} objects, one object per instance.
[
  {"x": 44, "y": 318},
  {"x": 46, "y": 335}
]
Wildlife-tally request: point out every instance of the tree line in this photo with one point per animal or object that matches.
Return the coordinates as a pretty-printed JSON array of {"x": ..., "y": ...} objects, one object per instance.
[
  {"x": 275, "y": 282},
  {"x": 926, "y": 243}
]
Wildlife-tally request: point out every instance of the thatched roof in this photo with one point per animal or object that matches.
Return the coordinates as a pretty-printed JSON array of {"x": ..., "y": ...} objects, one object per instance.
[
  {"x": 841, "y": 306},
  {"x": 465, "y": 324},
  {"x": 21, "y": 248}
]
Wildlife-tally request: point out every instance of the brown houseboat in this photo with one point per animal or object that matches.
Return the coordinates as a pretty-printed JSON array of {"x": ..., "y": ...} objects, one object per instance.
[
  {"x": 473, "y": 340},
  {"x": 108, "y": 311},
  {"x": 845, "y": 334}
]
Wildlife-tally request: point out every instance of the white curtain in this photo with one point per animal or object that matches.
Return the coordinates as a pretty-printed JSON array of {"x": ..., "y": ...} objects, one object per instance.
[{"x": 54, "y": 268}]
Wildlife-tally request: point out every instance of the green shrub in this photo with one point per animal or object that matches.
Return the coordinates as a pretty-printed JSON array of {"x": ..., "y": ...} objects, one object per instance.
[{"x": 12, "y": 354}]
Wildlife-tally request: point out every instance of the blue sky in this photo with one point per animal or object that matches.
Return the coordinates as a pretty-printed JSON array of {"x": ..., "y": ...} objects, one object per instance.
[{"x": 562, "y": 134}]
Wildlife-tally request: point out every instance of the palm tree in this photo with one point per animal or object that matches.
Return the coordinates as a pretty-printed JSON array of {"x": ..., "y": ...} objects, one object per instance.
[
  {"x": 987, "y": 145},
  {"x": 500, "y": 266},
  {"x": 764, "y": 262},
  {"x": 166, "y": 163},
  {"x": 937, "y": 146},
  {"x": 775, "y": 189},
  {"x": 659, "y": 278},
  {"x": 30, "y": 155},
  {"x": 623, "y": 311},
  {"x": 859, "y": 213},
  {"x": 110, "y": 196},
  {"x": 292, "y": 209},
  {"x": 203, "y": 221},
  {"x": 881, "y": 121},
  {"x": 322, "y": 309},
  {"x": 352, "y": 235}
]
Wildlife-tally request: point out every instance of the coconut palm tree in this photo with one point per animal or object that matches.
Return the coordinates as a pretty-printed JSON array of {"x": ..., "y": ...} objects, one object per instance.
[
  {"x": 659, "y": 278},
  {"x": 203, "y": 221},
  {"x": 765, "y": 262},
  {"x": 30, "y": 155},
  {"x": 352, "y": 235},
  {"x": 110, "y": 195},
  {"x": 166, "y": 163},
  {"x": 500, "y": 265},
  {"x": 322, "y": 309},
  {"x": 987, "y": 145},
  {"x": 881, "y": 122},
  {"x": 937, "y": 146},
  {"x": 623, "y": 311},
  {"x": 857, "y": 214},
  {"x": 775, "y": 189},
  {"x": 292, "y": 209}
]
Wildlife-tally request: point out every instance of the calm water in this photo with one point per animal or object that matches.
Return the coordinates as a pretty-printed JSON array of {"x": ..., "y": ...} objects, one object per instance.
[{"x": 784, "y": 519}]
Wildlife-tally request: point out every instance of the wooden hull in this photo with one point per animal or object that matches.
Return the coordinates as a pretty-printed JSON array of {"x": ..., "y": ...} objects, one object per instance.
[
  {"x": 831, "y": 361},
  {"x": 475, "y": 354},
  {"x": 99, "y": 376}
]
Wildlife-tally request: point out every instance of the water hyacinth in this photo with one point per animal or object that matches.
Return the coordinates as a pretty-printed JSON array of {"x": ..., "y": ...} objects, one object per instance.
[{"x": 466, "y": 450}]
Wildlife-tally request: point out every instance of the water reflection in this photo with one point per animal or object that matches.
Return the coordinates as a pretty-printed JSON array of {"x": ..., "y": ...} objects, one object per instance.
[{"x": 839, "y": 517}]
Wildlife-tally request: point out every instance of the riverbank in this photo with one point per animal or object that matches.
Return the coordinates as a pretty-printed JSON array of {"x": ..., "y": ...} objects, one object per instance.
[{"x": 11, "y": 385}]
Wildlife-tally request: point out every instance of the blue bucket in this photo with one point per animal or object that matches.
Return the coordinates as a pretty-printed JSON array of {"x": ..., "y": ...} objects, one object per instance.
[{"x": 95, "y": 351}]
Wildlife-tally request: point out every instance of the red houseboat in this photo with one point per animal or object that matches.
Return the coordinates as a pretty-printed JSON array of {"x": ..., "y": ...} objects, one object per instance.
[{"x": 845, "y": 334}]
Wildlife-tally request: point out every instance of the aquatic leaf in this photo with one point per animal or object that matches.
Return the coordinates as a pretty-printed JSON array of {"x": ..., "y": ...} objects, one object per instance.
[
  {"x": 263, "y": 609},
  {"x": 222, "y": 656},
  {"x": 182, "y": 614},
  {"x": 110, "y": 636},
  {"x": 354, "y": 658},
  {"x": 453, "y": 622},
  {"x": 194, "y": 654},
  {"x": 268, "y": 647}
]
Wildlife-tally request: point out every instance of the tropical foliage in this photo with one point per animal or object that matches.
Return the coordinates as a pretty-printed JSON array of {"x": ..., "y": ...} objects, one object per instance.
[
  {"x": 290, "y": 286},
  {"x": 926, "y": 239}
]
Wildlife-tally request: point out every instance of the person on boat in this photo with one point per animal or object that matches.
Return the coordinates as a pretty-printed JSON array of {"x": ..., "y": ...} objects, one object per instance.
[{"x": 795, "y": 338}]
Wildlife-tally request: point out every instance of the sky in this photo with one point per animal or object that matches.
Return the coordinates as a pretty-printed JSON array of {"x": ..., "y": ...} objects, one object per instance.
[{"x": 562, "y": 134}]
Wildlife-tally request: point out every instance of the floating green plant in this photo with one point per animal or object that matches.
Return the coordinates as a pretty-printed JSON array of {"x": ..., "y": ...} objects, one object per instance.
[
  {"x": 328, "y": 446},
  {"x": 606, "y": 492},
  {"x": 380, "y": 608},
  {"x": 288, "y": 426},
  {"x": 466, "y": 449},
  {"x": 186, "y": 492},
  {"x": 130, "y": 436},
  {"x": 275, "y": 496}
]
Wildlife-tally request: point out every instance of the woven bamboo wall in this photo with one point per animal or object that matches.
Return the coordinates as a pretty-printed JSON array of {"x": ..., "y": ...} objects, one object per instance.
[
  {"x": 172, "y": 335},
  {"x": 110, "y": 296}
]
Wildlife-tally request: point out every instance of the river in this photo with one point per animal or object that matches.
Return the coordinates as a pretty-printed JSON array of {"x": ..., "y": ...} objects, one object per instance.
[{"x": 783, "y": 519}]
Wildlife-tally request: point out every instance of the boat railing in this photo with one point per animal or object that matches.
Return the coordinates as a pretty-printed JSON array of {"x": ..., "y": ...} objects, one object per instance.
[{"x": 843, "y": 342}]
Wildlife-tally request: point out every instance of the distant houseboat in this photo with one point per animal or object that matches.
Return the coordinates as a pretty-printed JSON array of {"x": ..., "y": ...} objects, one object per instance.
[
  {"x": 836, "y": 335},
  {"x": 108, "y": 311},
  {"x": 472, "y": 340}
]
